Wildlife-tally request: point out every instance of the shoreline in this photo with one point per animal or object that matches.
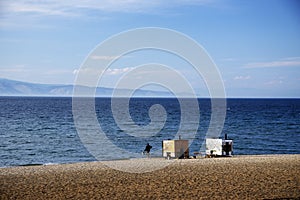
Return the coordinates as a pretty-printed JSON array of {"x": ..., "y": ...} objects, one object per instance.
[
  {"x": 243, "y": 176},
  {"x": 127, "y": 159}
]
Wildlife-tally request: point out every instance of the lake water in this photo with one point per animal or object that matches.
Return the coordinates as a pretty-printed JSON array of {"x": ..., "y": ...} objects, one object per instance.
[{"x": 41, "y": 130}]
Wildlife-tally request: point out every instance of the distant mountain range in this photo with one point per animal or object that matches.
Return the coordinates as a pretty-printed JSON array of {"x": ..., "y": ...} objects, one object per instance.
[{"x": 19, "y": 88}]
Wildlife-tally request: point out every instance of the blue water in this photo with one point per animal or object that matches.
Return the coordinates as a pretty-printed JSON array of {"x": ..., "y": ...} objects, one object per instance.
[{"x": 41, "y": 130}]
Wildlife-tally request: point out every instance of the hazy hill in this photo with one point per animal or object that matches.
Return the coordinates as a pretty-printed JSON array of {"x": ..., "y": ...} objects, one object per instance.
[{"x": 19, "y": 88}]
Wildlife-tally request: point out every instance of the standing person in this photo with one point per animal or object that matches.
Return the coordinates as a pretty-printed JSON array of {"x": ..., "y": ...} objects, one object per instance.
[{"x": 147, "y": 149}]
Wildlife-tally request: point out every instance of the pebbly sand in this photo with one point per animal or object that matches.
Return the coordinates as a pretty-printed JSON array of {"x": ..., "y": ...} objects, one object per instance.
[{"x": 239, "y": 177}]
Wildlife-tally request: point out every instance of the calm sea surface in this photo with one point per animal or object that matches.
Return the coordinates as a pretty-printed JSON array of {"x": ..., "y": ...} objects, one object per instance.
[{"x": 41, "y": 130}]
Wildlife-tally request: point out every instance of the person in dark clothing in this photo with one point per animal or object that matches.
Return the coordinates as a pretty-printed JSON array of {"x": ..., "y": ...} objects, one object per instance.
[{"x": 147, "y": 149}]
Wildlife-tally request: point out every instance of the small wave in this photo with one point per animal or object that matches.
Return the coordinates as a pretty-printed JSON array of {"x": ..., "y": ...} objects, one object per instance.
[
  {"x": 51, "y": 164},
  {"x": 30, "y": 164}
]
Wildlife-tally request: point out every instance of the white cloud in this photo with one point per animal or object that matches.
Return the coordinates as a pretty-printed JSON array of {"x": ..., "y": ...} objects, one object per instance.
[
  {"x": 69, "y": 7},
  {"x": 104, "y": 57},
  {"x": 109, "y": 71},
  {"x": 32, "y": 12},
  {"x": 87, "y": 71},
  {"x": 241, "y": 77},
  {"x": 37, "y": 7},
  {"x": 286, "y": 62},
  {"x": 14, "y": 69},
  {"x": 274, "y": 82},
  {"x": 118, "y": 71}
]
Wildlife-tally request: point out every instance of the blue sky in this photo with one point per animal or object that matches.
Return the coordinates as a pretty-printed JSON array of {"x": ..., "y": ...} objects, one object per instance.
[{"x": 255, "y": 44}]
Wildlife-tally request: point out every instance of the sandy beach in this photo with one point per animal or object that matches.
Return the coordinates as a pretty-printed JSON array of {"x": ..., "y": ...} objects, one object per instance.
[{"x": 239, "y": 177}]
